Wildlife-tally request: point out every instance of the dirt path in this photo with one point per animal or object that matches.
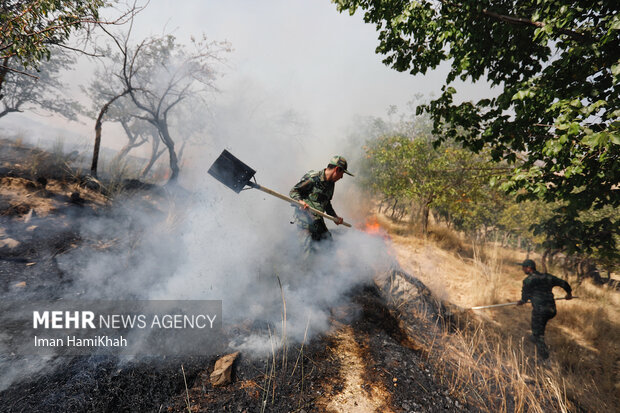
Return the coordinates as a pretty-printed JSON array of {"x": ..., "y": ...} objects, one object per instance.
[{"x": 356, "y": 395}]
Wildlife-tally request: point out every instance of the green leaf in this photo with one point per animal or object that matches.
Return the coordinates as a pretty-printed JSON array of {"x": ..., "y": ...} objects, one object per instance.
[{"x": 522, "y": 94}]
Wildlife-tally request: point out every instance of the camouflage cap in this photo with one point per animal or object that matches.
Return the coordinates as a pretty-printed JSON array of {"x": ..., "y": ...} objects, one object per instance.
[
  {"x": 528, "y": 263},
  {"x": 341, "y": 162}
]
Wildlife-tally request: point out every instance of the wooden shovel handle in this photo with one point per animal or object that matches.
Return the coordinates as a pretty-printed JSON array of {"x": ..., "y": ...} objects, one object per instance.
[{"x": 293, "y": 201}]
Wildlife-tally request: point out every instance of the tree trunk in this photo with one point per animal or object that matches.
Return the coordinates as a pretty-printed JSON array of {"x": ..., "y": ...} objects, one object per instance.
[
  {"x": 426, "y": 210},
  {"x": 394, "y": 208},
  {"x": 180, "y": 154},
  {"x": 380, "y": 207},
  {"x": 104, "y": 109},
  {"x": 130, "y": 145},
  {"x": 543, "y": 261},
  {"x": 155, "y": 154},
  {"x": 3, "y": 71},
  {"x": 167, "y": 140},
  {"x": 505, "y": 239}
]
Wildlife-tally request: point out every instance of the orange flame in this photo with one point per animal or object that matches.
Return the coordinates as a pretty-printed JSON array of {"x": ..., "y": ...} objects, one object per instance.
[{"x": 372, "y": 226}]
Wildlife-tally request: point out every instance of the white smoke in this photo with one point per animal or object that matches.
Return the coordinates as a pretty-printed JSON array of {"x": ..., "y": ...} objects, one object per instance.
[{"x": 238, "y": 248}]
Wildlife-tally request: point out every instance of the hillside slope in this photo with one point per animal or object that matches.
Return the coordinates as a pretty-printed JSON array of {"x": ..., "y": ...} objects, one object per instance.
[{"x": 403, "y": 342}]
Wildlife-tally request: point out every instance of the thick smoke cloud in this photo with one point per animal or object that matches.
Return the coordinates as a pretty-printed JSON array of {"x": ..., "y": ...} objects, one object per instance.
[
  {"x": 206, "y": 242},
  {"x": 210, "y": 243}
]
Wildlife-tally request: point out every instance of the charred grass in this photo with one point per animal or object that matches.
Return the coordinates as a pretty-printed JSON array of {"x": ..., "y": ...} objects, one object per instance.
[{"x": 365, "y": 362}]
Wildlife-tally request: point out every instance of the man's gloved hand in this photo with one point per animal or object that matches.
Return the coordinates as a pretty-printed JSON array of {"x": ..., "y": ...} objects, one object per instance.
[
  {"x": 520, "y": 302},
  {"x": 338, "y": 220},
  {"x": 569, "y": 296}
]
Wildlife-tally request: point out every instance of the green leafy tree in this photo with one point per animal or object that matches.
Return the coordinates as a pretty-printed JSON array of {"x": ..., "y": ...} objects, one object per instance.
[
  {"x": 471, "y": 203},
  {"x": 557, "y": 115},
  {"x": 449, "y": 179},
  {"x": 29, "y": 28},
  {"x": 518, "y": 219}
]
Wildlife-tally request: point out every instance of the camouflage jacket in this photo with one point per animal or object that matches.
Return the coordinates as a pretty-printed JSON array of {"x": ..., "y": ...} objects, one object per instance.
[
  {"x": 538, "y": 287},
  {"x": 317, "y": 192}
]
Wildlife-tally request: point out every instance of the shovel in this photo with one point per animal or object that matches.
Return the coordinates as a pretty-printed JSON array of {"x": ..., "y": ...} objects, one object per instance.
[{"x": 236, "y": 175}]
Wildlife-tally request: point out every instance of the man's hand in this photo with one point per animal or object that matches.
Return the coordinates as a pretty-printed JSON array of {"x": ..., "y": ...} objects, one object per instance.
[
  {"x": 520, "y": 302},
  {"x": 569, "y": 296},
  {"x": 303, "y": 205},
  {"x": 338, "y": 220}
]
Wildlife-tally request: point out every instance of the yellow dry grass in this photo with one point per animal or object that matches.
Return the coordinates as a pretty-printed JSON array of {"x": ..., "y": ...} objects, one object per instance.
[
  {"x": 487, "y": 357},
  {"x": 22, "y": 194}
]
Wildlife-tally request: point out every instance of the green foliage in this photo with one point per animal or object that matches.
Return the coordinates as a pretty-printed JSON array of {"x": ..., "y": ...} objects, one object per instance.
[
  {"x": 28, "y": 28},
  {"x": 557, "y": 65},
  {"x": 520, "y": 218},
  {"x": 403, "y": 164}
]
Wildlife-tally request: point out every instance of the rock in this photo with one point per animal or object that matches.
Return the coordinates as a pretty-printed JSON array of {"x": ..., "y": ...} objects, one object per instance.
[
  {"x": 222, "y": 373},
  {"x": 31, "y": 214},
  {"x": 92, "y": 184},
  {"x": 42, "y": 181},
  {"x": 9, "y": 243},
  {"x": 75, "y": 198},
  {"x": 136, "y": 184}
]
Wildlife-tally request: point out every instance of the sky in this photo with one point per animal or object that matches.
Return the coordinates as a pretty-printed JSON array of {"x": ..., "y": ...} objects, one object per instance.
[{"x": 288, "y": 55}]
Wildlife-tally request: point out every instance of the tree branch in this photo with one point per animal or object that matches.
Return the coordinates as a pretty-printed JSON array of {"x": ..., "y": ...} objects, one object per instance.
[
  {"x": 10, "y": 69},
  {"x": 527, "y": 22}
]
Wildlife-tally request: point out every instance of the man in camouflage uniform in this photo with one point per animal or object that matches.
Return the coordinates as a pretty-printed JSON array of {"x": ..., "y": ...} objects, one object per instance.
[
  {"x": 537, "y": 288},
  {"x": 316, "y": 189}
]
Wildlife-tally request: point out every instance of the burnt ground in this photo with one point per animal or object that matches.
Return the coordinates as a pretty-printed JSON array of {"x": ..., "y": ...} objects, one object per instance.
[
  {"x": 365, "y": 363},
  {"x": 370, "y": 359}
]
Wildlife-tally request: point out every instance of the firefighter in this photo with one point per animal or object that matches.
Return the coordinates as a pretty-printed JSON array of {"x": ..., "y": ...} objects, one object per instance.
[
  {"x": 537, "y": 288},
  {"x": 316, "y": 189}
]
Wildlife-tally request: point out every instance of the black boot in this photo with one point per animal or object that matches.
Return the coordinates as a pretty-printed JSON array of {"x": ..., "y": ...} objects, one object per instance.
[{"x": 541, "y": 347}]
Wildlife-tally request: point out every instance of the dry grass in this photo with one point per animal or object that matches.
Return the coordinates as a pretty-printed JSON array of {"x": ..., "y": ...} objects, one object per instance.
[
  {"x": 447, "y": 240},
  {"x": 493, "y": 373},
  {"x": 485, "y": 356}
]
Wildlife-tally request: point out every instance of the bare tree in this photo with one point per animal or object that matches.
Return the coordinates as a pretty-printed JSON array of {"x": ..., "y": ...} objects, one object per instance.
[
  {"x": 156, "y": 153},
  {"x": 162, "y": 73},
  {"x": 138, "y": 133},
  {"x": 157, "y": 74}
]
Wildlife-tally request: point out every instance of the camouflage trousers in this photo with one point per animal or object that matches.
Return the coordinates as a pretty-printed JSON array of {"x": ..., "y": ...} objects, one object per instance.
[
  {"x": 312, "y": 236},
  {"x": 541, "y": 314}
]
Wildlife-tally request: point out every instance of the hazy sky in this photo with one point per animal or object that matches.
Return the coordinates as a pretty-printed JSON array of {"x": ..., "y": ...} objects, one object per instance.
[{"x": 299, "y": 55}]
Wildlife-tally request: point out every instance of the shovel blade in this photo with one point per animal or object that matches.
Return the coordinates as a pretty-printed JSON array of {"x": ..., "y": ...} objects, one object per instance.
[{"x": 231, "y": 171}]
